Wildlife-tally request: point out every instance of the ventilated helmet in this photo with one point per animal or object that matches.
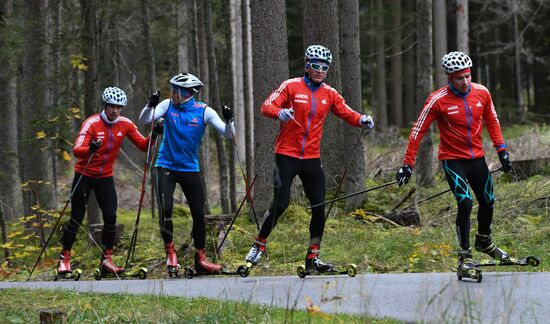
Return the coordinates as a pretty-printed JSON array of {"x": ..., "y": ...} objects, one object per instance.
[
  {"x": 455, "y": 61},
  {"x": 188, "y": 81},
  {"x": 318, "y": 52},
  {"x": 114, "y": 96}
]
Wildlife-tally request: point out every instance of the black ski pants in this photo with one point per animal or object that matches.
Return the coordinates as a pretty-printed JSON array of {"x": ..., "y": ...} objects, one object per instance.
[
  {"x": 106, "y": 195},
  {"x": 312, "y": 176},
  {"x": 191, "y": 185},
  {"x": 462, "y": 174}
]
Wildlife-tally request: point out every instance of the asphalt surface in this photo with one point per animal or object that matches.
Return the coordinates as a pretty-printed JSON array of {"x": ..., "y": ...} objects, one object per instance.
[{"x": 503, "y": 297}]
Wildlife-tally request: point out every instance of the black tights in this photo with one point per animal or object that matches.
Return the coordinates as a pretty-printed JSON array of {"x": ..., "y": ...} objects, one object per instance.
[
  {"x": 460, "y": 174},
  {"x": 106, "y": 196},
  {"x": 191, "y": 185},
  {"x": 312, "y": 175}
]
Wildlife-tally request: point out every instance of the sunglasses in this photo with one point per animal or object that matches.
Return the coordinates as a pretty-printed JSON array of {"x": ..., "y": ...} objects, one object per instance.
[{"x": 319, "y": 67}]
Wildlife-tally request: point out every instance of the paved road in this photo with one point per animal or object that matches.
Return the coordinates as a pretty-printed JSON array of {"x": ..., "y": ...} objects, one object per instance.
[{"x": 435, "y": 297}]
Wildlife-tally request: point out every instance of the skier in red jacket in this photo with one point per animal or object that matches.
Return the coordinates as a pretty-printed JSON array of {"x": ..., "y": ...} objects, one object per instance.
[
  {"x": 460, "y": 109},
  {"x": 302, "y": 106},
  {"x": 101, "y": 135}
]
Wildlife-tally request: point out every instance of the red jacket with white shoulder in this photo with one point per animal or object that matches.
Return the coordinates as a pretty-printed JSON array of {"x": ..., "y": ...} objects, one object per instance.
[
  {"x": 111, "y": 135},
  {"x": 301, "y": 137},
  {"x": 460, "y": 119}
]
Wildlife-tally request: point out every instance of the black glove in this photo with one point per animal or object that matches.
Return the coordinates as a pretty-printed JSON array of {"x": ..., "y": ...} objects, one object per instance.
[
  {"x": 403, "y": 175},
  {"x": 94, "y": 146},
  {"x": 504, "y": 158},
  {"x": 154, "y": 99},
  {"x": 158, "y": 127},
  {"x": 227, "y": 113}
]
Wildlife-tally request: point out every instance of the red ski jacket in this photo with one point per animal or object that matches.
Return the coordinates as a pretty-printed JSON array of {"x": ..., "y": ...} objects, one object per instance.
[
  {"x": 301, "y": 137},
  {"x": 459, "y": 118},
  {"x": 112, "y": 135}
]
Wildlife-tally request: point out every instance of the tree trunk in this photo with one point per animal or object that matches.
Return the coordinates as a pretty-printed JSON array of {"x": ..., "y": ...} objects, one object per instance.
[
  {"x": 149, "y": 53},
  {"x": 268, "y": 18},
  {"x": 91, "y": 82},
  {"x": 326, "y": 32},
  {"x": 184, "y": 35},
  {"x": 409, "y": 75},
  {"x": 424, "y": 64},
  {"x": 214, "y": 88},
  {"x": 380, "y": 84},
  {"x": 248, "y": 91},
  {"x": 237, "y": 70},
  {"x": 202, "y": 58},
  {"x": 521, "y": 108},
  {"x": 396, "y": 66},
  {"x": 10, "y": 189},
  {"x": 35, "y": 162},
  {"x": 351, "y": 90},
  {"x": 462, "y": 39},
  {"x": 440, "y": 40}
]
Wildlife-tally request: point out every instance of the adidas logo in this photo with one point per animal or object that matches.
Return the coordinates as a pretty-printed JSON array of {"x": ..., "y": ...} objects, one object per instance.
[
  {"x": 324, "y": 102},
  {"x": 119, "y": 134},
  {"x": 478, "y": 104}
]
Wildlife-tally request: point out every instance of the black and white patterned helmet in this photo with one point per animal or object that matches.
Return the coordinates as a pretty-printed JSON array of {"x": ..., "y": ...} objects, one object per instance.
[
  {"x": 114, "y": 96},
  {"x": 188, "y": 81},
  {"x": 318, "y": 52},
  {"x": 455, "y": 61}
]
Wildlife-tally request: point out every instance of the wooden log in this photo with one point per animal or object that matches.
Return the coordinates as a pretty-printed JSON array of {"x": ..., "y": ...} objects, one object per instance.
[
  {"x": 404, "y": 217},
  {"x": 524, "y": 169},
  {"x": 52, "y": 316}
]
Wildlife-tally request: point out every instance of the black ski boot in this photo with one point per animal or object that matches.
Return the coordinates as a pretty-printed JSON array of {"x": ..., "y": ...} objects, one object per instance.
[
  {"x": 314, "y": 264},
  {"x": 466, "y": 267},
  {"x": 485, "y": 244}
]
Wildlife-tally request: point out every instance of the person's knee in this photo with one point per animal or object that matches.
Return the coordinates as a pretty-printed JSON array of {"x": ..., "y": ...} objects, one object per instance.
[{"x": 465, "y": 205}]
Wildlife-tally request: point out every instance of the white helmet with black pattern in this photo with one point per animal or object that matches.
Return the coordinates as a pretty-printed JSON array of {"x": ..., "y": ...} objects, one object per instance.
[
  {"x": 114, "y": 96},
  {"x": 188, "y": 81},
  {"x": 318, "y": 52},
  {"x": 455, "y": 61}
]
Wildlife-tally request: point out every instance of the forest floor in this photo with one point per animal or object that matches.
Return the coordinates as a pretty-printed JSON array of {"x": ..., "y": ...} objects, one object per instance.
[{"x": 521, "y": 225}]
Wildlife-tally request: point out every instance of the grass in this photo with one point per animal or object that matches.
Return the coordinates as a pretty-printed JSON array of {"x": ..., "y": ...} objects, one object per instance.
[{"x": 24, "y": 306}]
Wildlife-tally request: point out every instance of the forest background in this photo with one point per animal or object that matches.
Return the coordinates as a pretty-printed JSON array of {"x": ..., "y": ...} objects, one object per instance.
[{"x": 58, "y": 56}]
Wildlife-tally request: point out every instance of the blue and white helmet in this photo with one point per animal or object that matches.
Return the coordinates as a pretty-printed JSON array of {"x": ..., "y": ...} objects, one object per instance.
[
  {"x": 455, "y": 61},
  {"x": 114, "y": 96},
  {"x": 188, "y": 81},
  {"x": 318, "y": 52}
]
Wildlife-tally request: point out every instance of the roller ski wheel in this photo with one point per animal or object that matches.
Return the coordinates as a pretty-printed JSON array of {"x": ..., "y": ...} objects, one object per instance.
[
  {"x": 73, "y": 275},
  {"x": 473, "y": 273},
  {"x": 528, "y": 261},
  {"x": 173, "y": 272},
  {"x": 244, "y": 270},
  {"x": 350, "y": 270}
]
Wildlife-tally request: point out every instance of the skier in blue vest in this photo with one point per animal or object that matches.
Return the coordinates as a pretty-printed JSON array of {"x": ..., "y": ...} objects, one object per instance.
[{"x": 185, "y": 120}]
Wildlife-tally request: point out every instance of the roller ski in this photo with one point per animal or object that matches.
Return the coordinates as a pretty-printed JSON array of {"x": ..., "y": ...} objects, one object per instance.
[
  {"x": 467, "y": 268},
  {"x": 63, "y": 271},
  {"x": 172, "y": 265},
  {"x": 253, "y": 257},
  {"x": 316, "y": 267},
  {"x": 485, "y": 244},
  {"x": 528, "y": 261},
  {"x": 203, "y": 267},
  {"x": 108, "y": 269}
]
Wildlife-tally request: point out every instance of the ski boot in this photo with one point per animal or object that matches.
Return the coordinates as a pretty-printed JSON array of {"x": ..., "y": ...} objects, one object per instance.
[
  {"x": 315, "y": 266},
  {"x": 203, "y": 266},
  {"x": 172, "y": 264},
  {"x": 485, "y": 244},
  {"x": 466, "y": 267},
  {"x": 107, "y": 268},
  {"x": 63, "y": 270},
  {"x": 253, "y": 257}
]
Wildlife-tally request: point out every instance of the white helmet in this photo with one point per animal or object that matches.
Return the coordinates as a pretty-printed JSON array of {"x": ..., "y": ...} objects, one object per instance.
[
  {"x": 188, "y": 81},
  {"x": 318, "y": 52},
  {"x": 114, "y": 96},
  {"x": 455, "y": 61}
]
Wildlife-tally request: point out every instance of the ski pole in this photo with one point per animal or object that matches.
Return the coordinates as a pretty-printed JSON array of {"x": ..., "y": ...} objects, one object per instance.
[
  {"x": 245, "y": 178},
  {"x": 439, "y": 194},
  {"x": 353, "y": 194},
  {"x": 133, "y": 241},
  {"x": 61, "y": 214},
  {"x": 343, "y": 176}
]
